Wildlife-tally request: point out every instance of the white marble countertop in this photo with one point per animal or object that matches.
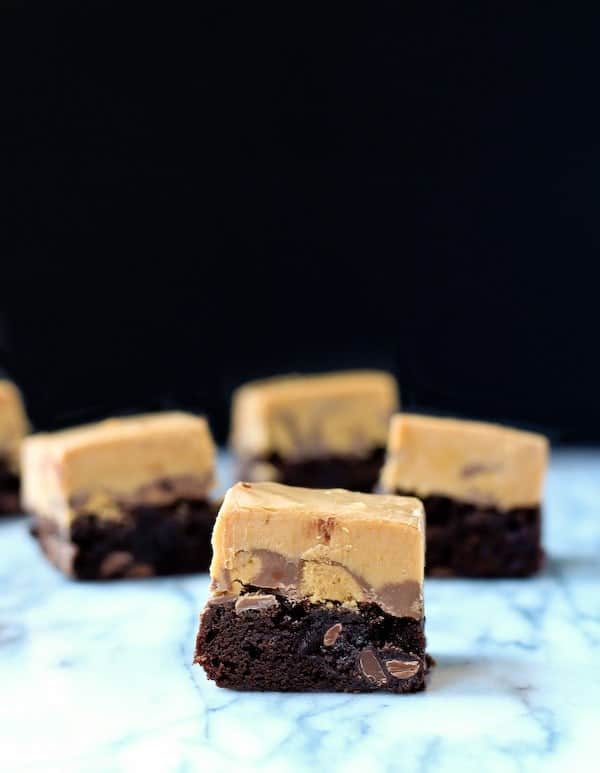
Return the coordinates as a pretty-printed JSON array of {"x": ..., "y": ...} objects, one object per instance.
[{"x": 98, "y": 677}]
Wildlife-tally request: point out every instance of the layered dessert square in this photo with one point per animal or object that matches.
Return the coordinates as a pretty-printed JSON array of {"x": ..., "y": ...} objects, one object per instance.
[
  {"x": 13, "y": 427},
  {"x": 481, "y": 485},
  {"x": 315, "y": 431},
  {"x": 126, "y": 497},
  {"x": 315, "y": 590}
]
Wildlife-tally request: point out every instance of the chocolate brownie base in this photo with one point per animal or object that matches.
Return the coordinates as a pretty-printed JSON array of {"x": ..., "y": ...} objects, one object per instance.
[
  {"x": 285, "y": 645},
  {"x": 354, "y": 473},
  {"x": 467, "y": 540},
  {"x": 9, "y": 490},
  {"x": 150, "y": 541}
]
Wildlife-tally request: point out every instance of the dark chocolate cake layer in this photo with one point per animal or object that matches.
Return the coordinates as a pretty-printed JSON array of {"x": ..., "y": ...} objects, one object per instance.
[
  {"x": 268, "y": 642},
  {"x": 9, "y": 490},
  {"x": 467, "y": 540},
  {"x": 152, "y": 540},
  {"x": 354, "y": 473}
]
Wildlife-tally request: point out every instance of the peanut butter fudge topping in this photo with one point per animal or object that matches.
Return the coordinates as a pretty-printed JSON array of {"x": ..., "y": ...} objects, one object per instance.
[
  {"x": 297, "y": 416},
  {"x": 149, "y": 459},
  {"x": 13, "y": 424},
  {"x": 323, "y": 545},
  {"x": 471, "y": 461}
]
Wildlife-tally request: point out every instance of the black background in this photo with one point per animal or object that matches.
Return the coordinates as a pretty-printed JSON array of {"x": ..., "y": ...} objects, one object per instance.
[{"x": 266, "y": 188}]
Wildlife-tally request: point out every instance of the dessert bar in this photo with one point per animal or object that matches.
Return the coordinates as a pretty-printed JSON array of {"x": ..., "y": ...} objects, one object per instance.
[
  {"x": 318, "y": 431},
  {"x": 481, "y": 485},
  {"x": 315, "y": 590},
  {"x": 123, "y": 498},
  {"x": 13, "y": 427}
]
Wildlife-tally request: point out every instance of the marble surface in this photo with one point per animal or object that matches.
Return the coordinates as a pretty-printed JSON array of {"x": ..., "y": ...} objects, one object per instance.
[{"x": 98, "y": 677}]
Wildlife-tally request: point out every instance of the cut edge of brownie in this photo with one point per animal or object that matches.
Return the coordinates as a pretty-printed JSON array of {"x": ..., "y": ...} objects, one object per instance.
[
  {"x": 470, "y": 540},
  {"x": 265, "y": 641},
  {"x": 149, "y": 540},
  {"x": 352, "y": 472}
]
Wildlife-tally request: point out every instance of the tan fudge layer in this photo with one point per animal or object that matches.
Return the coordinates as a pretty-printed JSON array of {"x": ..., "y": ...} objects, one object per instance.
[
  {"x": 13, "y": 424},
  {"x": 469, "y": 461},
  {"x": 149, "y": 459},
  {"x": 322, "y": 545},
  {"x": 344, "y": 413}
]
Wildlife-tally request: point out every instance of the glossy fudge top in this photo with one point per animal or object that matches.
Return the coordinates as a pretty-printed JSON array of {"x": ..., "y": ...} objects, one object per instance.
[
  {"x": 13, "y": 424},
  {"x": 344, "y": 413},
  {"x": 470, "y": 461},
  {"x": 322, "y": 545},
  {"x": 149, "y": 459}
]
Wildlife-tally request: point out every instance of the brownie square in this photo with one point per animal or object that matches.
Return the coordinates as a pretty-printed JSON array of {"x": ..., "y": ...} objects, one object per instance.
[
  {"x": 318, "y": 431},
  {"x": 125, "y": 497},
  {"x": 315, "y": 590},
  {"x": 481, "y": 486}
]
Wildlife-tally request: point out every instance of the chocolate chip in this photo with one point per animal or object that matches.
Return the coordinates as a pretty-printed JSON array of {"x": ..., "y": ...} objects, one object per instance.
[
  {"x": 255, "y": 601},
  {"x": 331, "y": 635},
  {"x": 403, "y": 599},
  {"x": 246, "y": 485},
  {"x": 371, "y": 667},
  {"x": 115, "y": 563},
  {"x": 403, "y": 669},
  {"x": 219, "y": 600},
  {"x": 276, "y": 571}
]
